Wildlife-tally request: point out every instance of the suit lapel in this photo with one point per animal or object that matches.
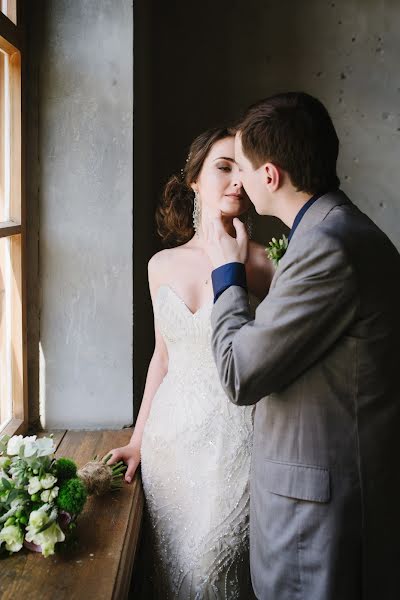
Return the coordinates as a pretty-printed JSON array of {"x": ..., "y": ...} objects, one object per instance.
[
  {"x": 314, "y": 215},
  {"x": 319, "y": 210}
]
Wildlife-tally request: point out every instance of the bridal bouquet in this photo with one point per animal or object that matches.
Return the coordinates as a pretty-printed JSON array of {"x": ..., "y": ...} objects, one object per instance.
[{"x": 41, "y": 496}]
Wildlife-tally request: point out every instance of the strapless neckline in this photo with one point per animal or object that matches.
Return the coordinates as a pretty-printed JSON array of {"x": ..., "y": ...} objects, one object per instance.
[{"x": 182, "y": 302}]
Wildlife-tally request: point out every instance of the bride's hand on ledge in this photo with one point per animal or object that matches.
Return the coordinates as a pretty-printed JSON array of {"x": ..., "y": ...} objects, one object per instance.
[{"x": 130, "y": 455}]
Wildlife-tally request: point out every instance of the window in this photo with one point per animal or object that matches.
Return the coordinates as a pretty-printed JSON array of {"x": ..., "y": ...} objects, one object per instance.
[
  {"x": 9, "y": 8},
  {"x": 13, "y": 382}
]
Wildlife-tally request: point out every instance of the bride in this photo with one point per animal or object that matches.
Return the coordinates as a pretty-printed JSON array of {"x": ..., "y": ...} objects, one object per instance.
[{"x": 193, "y": 444}]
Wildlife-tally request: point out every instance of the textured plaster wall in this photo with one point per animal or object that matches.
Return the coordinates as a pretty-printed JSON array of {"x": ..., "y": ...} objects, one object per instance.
[
  {"x": 202, "y": 63},
  {"x": 85, "y": 179},
  {"x": 213, "y": 59}
]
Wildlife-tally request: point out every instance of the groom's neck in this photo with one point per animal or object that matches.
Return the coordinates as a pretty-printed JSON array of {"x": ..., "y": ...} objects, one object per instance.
[{"x": 289, "y": 203}]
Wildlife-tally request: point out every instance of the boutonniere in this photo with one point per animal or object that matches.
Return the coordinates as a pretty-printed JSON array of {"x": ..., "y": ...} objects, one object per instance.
[{"x": 276, "y": 249}]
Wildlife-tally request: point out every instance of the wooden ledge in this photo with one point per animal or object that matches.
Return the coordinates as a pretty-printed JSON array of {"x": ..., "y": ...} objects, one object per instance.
[{"x": 108, "y": 531}]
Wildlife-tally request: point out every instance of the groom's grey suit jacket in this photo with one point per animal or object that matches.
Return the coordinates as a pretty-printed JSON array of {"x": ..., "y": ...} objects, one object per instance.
[{"x": 322, "y": 362}]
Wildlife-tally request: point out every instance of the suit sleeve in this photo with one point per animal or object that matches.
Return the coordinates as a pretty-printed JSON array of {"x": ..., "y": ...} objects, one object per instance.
[{"x": 311, "y": 306}]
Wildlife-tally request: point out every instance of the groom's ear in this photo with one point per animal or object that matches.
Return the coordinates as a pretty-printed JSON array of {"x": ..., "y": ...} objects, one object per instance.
[{"x": 272, "y": 176}]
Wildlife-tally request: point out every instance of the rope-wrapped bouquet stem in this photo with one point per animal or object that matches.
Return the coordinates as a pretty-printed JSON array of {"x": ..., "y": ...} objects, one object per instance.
[{"x": 100, "y": 478}]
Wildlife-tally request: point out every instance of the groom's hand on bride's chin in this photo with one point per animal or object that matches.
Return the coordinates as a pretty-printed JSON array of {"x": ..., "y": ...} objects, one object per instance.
[
  {"x": 242, "y": 240},
  {"x": 223, "y": 248}
]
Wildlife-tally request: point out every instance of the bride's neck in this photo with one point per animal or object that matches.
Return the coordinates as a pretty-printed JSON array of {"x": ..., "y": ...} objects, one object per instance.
[{"x": 228, "y": 226}]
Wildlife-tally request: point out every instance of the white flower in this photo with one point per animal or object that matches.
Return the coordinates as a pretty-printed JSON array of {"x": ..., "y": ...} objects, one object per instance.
[
  {"x": 49, "y": 495},
  {"x": 37, "y": 520},
  {"x": 46, "y": 539},
  {"x": 5, "y": 462},
  {"x": 45, "y": 446},
  {"x": 34, "y": 485},
  {"x": 13, "y": 538},
  {"x": 47, "y": 481},
  {"x": 30, "y": 445},
  {"x": 14, "y": 445}
]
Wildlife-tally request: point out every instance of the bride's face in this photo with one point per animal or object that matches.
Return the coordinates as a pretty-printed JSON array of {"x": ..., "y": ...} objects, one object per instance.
[{"x": 219, "y": 185}]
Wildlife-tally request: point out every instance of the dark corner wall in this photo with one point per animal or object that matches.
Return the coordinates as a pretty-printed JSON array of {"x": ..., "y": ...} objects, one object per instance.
[
  {"x": 187, "y": 79},
  {"x": 33, "y": 15}
]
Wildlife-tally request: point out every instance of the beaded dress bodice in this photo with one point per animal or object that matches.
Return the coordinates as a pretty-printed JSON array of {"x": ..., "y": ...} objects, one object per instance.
[{"x": 196, "y": 453}]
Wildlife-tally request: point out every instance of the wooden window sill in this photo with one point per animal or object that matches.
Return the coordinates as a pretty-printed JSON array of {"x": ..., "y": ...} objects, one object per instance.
[{"x": 108, "y": 530}]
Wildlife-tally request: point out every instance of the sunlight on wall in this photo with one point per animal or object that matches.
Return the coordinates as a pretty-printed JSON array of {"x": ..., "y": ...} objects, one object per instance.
[{"x": 42, "y": 387}]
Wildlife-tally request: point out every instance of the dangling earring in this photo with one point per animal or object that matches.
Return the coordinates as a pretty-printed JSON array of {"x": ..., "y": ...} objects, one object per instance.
[
  {"x": 196, "y": 213},
  {"x": 249, "y": 224}
]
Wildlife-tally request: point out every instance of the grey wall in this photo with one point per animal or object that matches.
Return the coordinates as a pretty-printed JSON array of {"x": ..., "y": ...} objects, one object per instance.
[
  {"x": 83, "y": 187},
  {"x": 208, "y": 60}
]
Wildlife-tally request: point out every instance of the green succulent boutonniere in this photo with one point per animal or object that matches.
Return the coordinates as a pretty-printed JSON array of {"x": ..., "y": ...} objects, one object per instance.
[{"x": 276, "y": 249}]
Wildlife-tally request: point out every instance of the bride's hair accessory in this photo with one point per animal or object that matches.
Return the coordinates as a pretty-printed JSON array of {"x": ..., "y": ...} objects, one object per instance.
[
  {"x": 183, "y": 169},
  {"x": 196, "y": 212}
]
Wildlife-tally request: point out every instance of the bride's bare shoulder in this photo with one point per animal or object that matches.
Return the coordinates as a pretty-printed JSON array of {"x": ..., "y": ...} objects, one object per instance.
[
  {"x": 165, "y": 258},
  {"x": 164, "y": 263}
]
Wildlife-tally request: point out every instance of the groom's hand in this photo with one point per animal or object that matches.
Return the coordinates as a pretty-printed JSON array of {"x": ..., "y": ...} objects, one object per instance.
[{"x": 221, "y": 247}]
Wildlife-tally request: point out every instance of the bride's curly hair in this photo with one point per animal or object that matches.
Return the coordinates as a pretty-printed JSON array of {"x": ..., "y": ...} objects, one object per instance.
[{"x": 174, "y": 213}]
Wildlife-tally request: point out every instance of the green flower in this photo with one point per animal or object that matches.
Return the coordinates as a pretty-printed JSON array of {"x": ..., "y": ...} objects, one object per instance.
[
  {"x": 72, "y": 496},
  {"x": 65, "y": 468},
  {"x": 277, "y": 249},
  {"x": 5, "y": 462},
  {"x": 13, "y": 537},
  {"x": 3, "y": 443},
  {"x": 6, "y": 489}
]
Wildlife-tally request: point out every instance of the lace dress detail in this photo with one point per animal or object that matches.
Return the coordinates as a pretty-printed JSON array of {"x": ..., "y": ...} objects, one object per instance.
[{"x": 195, "y": 457}]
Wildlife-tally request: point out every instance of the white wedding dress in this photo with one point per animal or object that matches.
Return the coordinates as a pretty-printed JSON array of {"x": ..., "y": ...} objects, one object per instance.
[{"x": 195, "y": 457}]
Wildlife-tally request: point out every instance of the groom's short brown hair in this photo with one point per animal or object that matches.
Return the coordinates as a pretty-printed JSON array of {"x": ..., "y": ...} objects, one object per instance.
[{"x": 294, "y": 131}]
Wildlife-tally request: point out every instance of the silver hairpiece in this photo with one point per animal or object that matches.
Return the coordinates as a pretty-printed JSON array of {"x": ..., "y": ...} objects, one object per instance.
[{"x": 183, "y": 170}]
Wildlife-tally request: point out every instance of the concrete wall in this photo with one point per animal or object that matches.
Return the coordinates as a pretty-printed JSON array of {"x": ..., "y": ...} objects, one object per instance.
[
  {"x": 84, "y": 181},
  {"x": 209, "y": 60},
  {"x": 213, "y": 59}
]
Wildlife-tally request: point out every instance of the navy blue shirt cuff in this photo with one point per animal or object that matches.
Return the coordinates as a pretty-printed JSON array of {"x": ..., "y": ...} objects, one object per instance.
[{"x": 230, "y": 274}]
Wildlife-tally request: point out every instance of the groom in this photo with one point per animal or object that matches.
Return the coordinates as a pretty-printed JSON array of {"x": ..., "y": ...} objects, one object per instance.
[{"x": 321, "y": 360}]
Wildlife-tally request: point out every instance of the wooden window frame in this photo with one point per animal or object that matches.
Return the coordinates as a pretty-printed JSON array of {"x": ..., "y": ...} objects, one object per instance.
[{"x": 11, "y": 42}]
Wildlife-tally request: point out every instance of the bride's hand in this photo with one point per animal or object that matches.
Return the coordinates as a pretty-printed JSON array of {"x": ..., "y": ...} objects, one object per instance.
[{"x": 130, "y": 455}]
